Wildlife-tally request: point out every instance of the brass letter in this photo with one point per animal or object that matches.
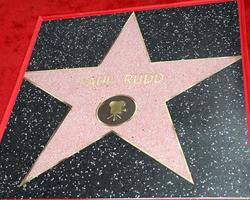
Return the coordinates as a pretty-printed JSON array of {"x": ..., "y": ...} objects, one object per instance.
[
  {"x": 148, "y": 78},
  {"x": 158, "y": 78},
  {"x": 128, "y": 78}
]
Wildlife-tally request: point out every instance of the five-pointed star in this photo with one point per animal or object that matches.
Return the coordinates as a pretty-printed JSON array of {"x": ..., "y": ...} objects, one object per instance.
[{"x": 150, "y": 129}]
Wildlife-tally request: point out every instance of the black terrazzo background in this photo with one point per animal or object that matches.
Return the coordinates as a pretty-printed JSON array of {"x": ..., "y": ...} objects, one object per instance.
[
  {"x": 170, "y": 34},
  {"x": 109, "y": 168},
  {"x": 34, "y": 118},
  {"x": 75, "y": 42},
  {"x": 210, "y": 122},
  {"x": 209, "y": 118},
  {"x": 191, "y": 32}
]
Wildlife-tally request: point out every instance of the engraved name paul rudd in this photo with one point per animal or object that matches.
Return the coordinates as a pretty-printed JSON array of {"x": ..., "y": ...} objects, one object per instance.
[{"x": 137, "y": 79}]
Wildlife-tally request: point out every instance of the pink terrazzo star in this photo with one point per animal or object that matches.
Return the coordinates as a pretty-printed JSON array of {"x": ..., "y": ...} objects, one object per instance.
[{"x": 150, "y": 129}]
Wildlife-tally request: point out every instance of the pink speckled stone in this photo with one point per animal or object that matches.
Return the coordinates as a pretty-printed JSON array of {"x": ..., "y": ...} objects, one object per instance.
[{"x": 151, "y": 128}]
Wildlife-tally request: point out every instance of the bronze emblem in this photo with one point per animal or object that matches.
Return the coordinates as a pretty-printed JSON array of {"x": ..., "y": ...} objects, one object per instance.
[{"x": 116, "y": 110}]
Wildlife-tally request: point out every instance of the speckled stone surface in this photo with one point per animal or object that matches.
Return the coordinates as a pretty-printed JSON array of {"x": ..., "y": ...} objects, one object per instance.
[
  {"x": 209, "y": 119},
  {"x": 75, "y": 42},
  {"x": 191, "y": 32},
  {"x": 170, "y": 34},
  {"x": 34, "y": 118},
  {"x": 211, "y": 124}
]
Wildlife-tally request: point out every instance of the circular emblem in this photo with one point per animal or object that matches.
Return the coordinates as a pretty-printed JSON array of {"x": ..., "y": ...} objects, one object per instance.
[{"x": 116, "y": 110}]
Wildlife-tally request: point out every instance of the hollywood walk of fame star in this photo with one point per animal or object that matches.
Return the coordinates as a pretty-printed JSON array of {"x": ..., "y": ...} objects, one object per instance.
[{"x": 150, "y": 129}]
